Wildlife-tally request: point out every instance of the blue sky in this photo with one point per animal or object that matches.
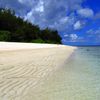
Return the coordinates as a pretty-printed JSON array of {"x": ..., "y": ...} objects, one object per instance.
[{"x": 78, "y": 21}]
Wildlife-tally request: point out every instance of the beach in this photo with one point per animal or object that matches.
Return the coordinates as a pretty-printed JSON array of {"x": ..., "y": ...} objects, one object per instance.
[
  {"x": 77, "y": 79},
  {"x": 23, "y": 67}
]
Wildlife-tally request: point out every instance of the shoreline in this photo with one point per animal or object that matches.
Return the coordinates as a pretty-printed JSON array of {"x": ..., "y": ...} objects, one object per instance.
[
  {"x": 6, "y": 46},
  {"x": 26, "y": 69}
]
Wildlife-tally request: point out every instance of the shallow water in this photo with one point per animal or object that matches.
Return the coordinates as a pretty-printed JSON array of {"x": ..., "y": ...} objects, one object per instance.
[{"x": 78, "y": 79}]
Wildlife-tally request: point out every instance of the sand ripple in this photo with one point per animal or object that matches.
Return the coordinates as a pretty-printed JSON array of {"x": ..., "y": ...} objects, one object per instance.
[{"x": 23, "y": 70}]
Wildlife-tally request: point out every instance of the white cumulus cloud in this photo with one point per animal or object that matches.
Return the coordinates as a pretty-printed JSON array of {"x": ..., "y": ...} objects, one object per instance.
[
  {"x": 77, "y": 25},
  {"x": 52, "y": 13},
  {"x": 85, "y": 12},
  {"x": 73, "y": 37}
]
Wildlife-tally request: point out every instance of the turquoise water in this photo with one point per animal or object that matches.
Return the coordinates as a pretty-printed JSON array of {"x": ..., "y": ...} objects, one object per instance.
[{"x": 78, "y": 79}]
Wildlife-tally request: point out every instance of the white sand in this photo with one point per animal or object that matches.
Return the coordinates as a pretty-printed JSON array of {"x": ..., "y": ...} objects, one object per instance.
[
  {"x": 19, "y": 46},
  {"x": 21, "y": 71}
]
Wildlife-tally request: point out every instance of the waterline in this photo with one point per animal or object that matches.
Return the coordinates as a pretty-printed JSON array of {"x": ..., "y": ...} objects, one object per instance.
[{"x": 77, "y": 80}]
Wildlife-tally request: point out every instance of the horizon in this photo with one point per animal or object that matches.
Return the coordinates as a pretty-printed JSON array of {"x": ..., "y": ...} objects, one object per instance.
[{"x": 77, "y": 21}]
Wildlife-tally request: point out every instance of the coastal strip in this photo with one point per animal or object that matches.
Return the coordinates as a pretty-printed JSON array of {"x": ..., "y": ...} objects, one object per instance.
[{"x": 23, "y": 66}]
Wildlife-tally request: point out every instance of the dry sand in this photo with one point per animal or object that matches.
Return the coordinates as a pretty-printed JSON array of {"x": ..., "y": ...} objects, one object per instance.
[{"x": 24, "y": 66}]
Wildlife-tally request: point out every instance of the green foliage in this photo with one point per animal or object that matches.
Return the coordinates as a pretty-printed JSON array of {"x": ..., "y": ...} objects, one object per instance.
[
  {"x": 4, "y": 35},
  {"x": 50, "y": 36},
  {"x": 38, "y": 41},
  {"x": 18, "y": 30}
]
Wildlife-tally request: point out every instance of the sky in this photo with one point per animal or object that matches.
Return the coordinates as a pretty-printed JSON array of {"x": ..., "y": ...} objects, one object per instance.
[{"x": 77, "y": 21}]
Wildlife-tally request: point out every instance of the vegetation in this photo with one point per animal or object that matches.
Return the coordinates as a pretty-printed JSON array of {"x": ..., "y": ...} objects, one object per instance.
[
  {"x": 15, "y": 29},
  {"x": 4, "y": 35}
]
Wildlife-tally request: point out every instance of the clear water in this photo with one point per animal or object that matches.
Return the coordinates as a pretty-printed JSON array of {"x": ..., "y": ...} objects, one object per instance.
[{"x": 79, "y": 79}]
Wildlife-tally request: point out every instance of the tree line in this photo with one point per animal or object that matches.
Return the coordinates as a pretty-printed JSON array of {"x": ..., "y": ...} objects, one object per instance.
[{"x": 16, "y": 29}]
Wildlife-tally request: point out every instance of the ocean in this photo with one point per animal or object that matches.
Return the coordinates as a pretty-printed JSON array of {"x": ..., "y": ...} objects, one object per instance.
[{"x": 78, "y": 79}]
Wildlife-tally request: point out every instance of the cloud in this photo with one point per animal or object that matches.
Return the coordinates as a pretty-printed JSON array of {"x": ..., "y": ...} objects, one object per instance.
[
  {"x": 65, "y": 24},
  {"x": 47, "y": 13},
  {"x": 73, "y": 37},
  {"x": 67, "y": 16},
  {"x": 28, "y": 3},
  {"x": 77, "y": 25},
  {"x": 53, "y": 14},
  {"x": 66, "y": 35},
  {"x": 94, "y": 34},
  {"x": 91, "y": 36},
  {"x": 19, "y": 8},
  {"x": 86, "y": 12}
]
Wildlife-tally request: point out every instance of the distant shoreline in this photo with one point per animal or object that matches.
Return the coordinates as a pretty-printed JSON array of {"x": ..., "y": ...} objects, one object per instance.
[{"x": 85, "y": 45}]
